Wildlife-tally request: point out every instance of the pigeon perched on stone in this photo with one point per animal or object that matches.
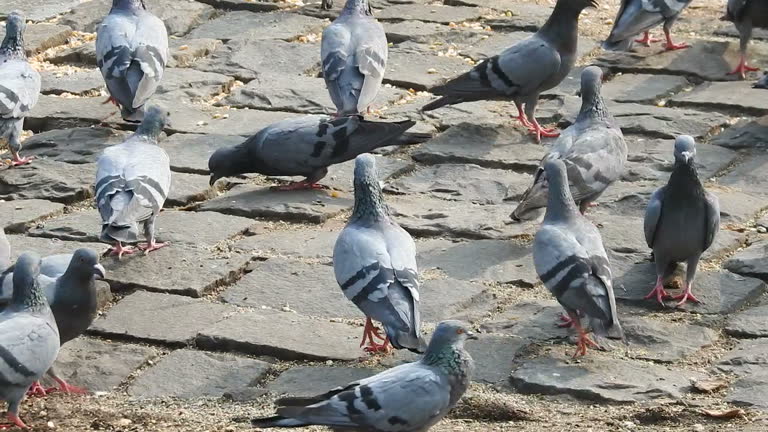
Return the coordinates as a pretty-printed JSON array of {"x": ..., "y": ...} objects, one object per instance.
[
  {"x": 640, "y": 16},
  {"x": 131, "y": 52},
  {"x": 29, "y": 339},
  {"x": 354, "y": 56},
  {"x": 408, "y": 398},
  {"x": 681, "y": 222},
  {"x": 746, "y": 15},
  {"x": 762, "y": 83},
  {"x": 307, "y": 146},
  {"x": 593, "y": 150},
  {"x": 132, "y": 183},
  {"x": 374, "y": 260},
  {"x": 5, "y": 251},
  {"x": 70, "y": 289},
  {"x": 19, "y": 86},
  {"x": 524, "y": 70},
  {"x": 570, "y": 260}
]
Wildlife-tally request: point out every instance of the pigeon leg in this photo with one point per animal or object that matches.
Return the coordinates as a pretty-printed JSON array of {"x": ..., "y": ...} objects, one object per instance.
[
  {"x": 64, "y": 386},
  {"x": 539, "y": 131},
  {"x": 521, "y": 115},
  {"x": 16, "y": 422},
  {"x": 685, "y": 296},
  {"x": 36, "y": 390},
  {"x": 111, "y": 100},
  {"x": 646, "y": 40},
  {"x": 583, "y": 340},
  {"x": 565, "y": 321},
  {"x": 742, "y": 68},
  {"x": 18, "y": 161},
  {"x": 301, "y": 185},
  {"x": 326, "y": 4},
  {"x": 583, "y": 206},
  {"x": 671, "y": 46},
  {"x": 120, "y": 250},
  {"x": 658, "y": 291},
  {"x": 375, "y": 348},
  {"x": 149, "y": 233}
]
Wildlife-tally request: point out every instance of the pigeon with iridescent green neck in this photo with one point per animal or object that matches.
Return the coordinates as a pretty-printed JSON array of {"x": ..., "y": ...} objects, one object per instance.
[{"x": 408, "y": 398}]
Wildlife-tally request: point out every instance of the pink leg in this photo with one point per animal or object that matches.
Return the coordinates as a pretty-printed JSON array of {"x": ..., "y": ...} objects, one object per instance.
[
  {"x": 18, "y": 161},
  {"x": 658, "y": 291},
  {"x": 539, "y": 131},
  {"x": 671, "y": 46},
  {"x": 120, "y": 250},
  {"x": 36, "y": 390},
  {"x": 646, "y": 40},
  {"x": 369, "y": 333},
  {"x": 521, "y": 116},
  {"x": 565, "y": 321},
  {"x": 16, "y": 422},
  {"x": 583, "y": 341},
  {"x": 111, "y": 100},
  {"x": 302, "y": 185},
  {"x": 67, "y": 388},
  {"x": 742, "y": 68},
  {"x": 152, "y": 246},
  {"x": 685, "y": 296}
]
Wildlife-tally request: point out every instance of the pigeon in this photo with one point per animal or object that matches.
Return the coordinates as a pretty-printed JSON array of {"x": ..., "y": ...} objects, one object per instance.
[
  {"x": 326, "y": 4},
  {"x": 68, "y": 281},
  {"x": 374, "y": 260},
  {"x": 29, "y": 339},
  {"x": 570, "y": 260},
  {"x": 681, "y": 222},
  {"x": 408, "y": 398},
  {"x": 745, "y": 15},
  {"x": 307, "y": 146},
  {"x": 524, "y": 70},
  {"x": 19, "y": 86},
  {"x": 639, "y": 16},
  {"x": 354, "y": 57},
  {"x": 593, "y": 150},
  {"x": 762, "y": 83},
  {"x": 5, "y": 251},
  {"x": 132, "y": 183},
  {"x": 131, "y": 52}
]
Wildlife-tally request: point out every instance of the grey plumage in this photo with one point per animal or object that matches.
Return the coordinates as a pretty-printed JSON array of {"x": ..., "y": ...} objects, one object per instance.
[
  {"x": 326, "y": 4},
  {"x": 593, "y": 150},
  {"x": 131, "y": 52},
  {"x": 408, "y": 398},
  {"x": 681, "y": 221},
  {"x": 5, "y": 251},
  {"x": 525, "y": 70},
  {"x": 132, "y": 182},
  {"x": 570, "y": 260},
  {"x": 762, "y": 83},
  {"x": 354, "y": 58},
  {"x": 29, "y": 339},
  {"x": 305, "y": 146},
  {"x": 374, "y": 260},
  {"x": 746, "y": 15},
  {"x": 638, "y": 16},
  {"x": 19, "y": 86}
]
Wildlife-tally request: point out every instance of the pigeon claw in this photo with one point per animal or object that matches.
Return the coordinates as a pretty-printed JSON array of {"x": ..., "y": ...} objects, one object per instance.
[
  {"x": 647, "y": 40},
  {"x": 685, "y": 296},
  {"x": 67, "y": 388},
  {"x": 152, "y": 246},
  {"x": 18, "y": 161},
  {"x": 670, "y": 46},
  {"x": 16, "y": 422},
  {"x": 302, "y": 185},
  {"x": 120, "y": 250},
  {"x": 659, "y": 293},
  {"x": 539, "y": 131},
  {"x": 742, "y": 69},
  {"x": 36, "y": 390},
  {"x": 111, "y": 100},
  {"x": 564, "y": 321}
]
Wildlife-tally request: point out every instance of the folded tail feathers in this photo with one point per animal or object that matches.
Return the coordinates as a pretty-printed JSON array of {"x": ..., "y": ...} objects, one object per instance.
[{"x": 277, "y": 421}]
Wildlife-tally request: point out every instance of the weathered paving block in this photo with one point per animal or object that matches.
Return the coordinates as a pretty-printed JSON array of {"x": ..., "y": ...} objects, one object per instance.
[
  {"x": 76, "y": 82},
  {"x": 194, "y": 84},
  {"x": 738, "y": 96},
  {"x": 45, "y": 247},
  {"x": 653, "y": 159},
  {"x": 189, "y": 153},
  {"x": 184, "y": 52},
  {"x": 751, "y": 176},
  {"x": 728, "y": 29},
  {"x": 248, "y": 5},
  {"x": 15, "y": 215},
  {"x": 644, "y": 88},
  {"x": 341, "y": 176},
  {"x": 188, "y": 188},
  {"x": 524, "y": 17},
  {"x": 736, "y": 206},
  {"x": 427, "y": 33},
  {"x": 285, "y": 335},
  {"x": 191, "y": 374},
  {"x": 74, "y": 146},
  {"x": 531, "y": 320},
  {"x": 494, "y": 357},
  {"x": 249, "y": 25},
  {"x": 750, "y": 391},
  {"x": 415, "y": 66},
  {"x": 429, "y": 13},
  {"x": 745, "y": 134},
  {"x": 304, "y": 381},
  {"x": 666, "y": 342},
  {"x": 502, "y": 5},
  {"x": 37, "y": 10},
  {"x": 100, "y": 365},
  {"x": 601, "y": 378},
  {"x": 83, "y": 55},
  {"x": 747, "y": 358},
  {"x": 165, "y": 318},
  {"x": 55, "y": 112},
  {"x": 752, "y": 261},
  {"x": 258, "y": 201},
  {"x": 49, "y": 180},
  {"x": 480, "y": 114},
  {"x": 752, "y": 322},
  {"x": 316, "y": 242}
]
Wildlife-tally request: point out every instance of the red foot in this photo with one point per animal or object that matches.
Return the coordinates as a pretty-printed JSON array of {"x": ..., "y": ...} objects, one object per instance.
[
  {"x": 302, "y": 185},
  {"x": 369, "y": 333},
  {"x": 18, "y": 161},
  {"x": 658, "y": 292},
  {"x": 647, "y": 40},
  {"x": 742, "y": 69},
  {"x": 36, "y": 390},
  {"x": 374, "y": 348},
  {"x": 583, "y": 342},
  {"x": 111, "y": 100},
  {"x": 152, "y": 246},
  {"x": 120, "y": 250},
  {"x": 67, "y": 388},
  {"x": 565, "y": 321},
  {"x": 16, "y": 422},
  {"x": 536, "y": 129},
  {"x": 685, "y": 296},
  {"x": 670, "y": 46},
  {"x": 521, "y": 116}
]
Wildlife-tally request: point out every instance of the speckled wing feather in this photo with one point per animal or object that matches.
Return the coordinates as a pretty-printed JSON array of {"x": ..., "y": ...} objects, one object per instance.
[
  {"x": 712, "y": 207},
  {"x": 653, "y": 215},
  {"x": 19, "y": 88}
]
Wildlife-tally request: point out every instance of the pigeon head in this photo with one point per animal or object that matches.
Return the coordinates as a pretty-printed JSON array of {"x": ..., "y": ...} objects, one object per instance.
[
  {"x": 592, "y": 104},
  {"x": 230, "y": 161},
  {"x": 85, "y": 265},
  {"x": 451, "y": 332},
  {"x": 369, "y": 202},
  {"x": 26, "y": 290},
  {"x": 155, "y": 119},
  {"x": 361, "y": 6},
  {"x": 560, "y": 203},
  {"x": 14, "y": 32},
  {"x": 685, "y": 150},
  {"x": 128, "y": 4},
  {"x": 579, "y": 5}
]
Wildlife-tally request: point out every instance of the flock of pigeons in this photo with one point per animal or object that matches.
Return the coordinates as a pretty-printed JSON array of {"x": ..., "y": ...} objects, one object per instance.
[{"x": 52, "y": 300}]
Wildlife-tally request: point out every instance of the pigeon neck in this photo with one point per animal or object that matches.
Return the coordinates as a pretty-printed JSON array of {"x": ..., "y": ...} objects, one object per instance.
[
  {"x": 685, "y": 181},
  {"x": 593, "y": 106},
  {"x": 562, "y": 28},
  {"x": 454, "y": 361},
  {"x": 128, "y": 4},
  {"x": 29, "y": 297},
  {"x": 560, "y": 205},
  {"x": 151, "y": 132},
  {"x": 369, "y": 202},
  {"x": 359, "y": 6},
  {"x": 13, "y": 45}
]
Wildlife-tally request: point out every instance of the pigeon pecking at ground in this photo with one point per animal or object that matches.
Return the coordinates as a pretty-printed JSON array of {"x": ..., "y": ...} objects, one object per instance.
[
  {"x": 374, "y": 260},
  {"x": 307, "y": 146},
  {"x": 132, "y": 183},
  {"x": 131, "y": 52},
  {"x": 640, "y": 16},
  {"x": 19, "y": 86},
  {"x": 29, "y": 339},
  {"x": 354, "y": 57},
  {"x": 408, "y": 398},
  {"x": 570, "y": 260},
  {"x": 746, "y": 15},
  {"x": 593, "y": 150},
  {"x": 68, "y": 281},
  {"x": 523, "y": 71},
  {"x": 762, "y": 83},
  {"x": 681, "y": 222}
]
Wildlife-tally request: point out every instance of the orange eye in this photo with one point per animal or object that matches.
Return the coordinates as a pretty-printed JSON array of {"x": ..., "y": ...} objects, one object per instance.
[{"x": 459, "y": 331}]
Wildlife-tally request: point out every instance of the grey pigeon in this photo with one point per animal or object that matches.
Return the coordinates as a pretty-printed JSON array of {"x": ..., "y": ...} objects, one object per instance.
[
  {"x": 524, "y": 70},
  {"x": 132, "y": 183},
  {"x": 131, "y": 52},
  {"x": 570, "y": 260},
  {"x": 19, "y": 86},
  {"x": 746, "y": 15},
  {"x": 374, "y": 260},
  {"x": 408, "y": 398},
  {"x": 354, "y": 56},
  {"x": 307, "y": 146},
  {"x": 68, "y": 281},
  {"x": 5, "y": 251},
  {"x": 593, "y": 150},
  {"x": 681, "y": 222},
  {"x": 29, "y": 339},
  {"x": 326, "y": 4},
  {"x": 762, "y": 83},
  {"x": 640, "y": 16}
]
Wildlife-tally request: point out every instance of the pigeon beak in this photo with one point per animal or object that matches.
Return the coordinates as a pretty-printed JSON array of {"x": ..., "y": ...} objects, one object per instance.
[
  {"x": 99, "y": 272},
  {"x": 472, "y": 336},
  {"x": 688, "y": 157},
  {"x": 213, "y": 179}
]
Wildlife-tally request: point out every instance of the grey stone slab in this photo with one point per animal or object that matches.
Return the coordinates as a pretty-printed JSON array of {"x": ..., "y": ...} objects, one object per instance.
[
  {"x": 38, "y": 10},
  {"x": 190, "y": 374},
  {"x": 248, "y": 5},
  {"x": 48, "y": 180},
  {"x": 751, "y": 261},
  {"x": 317, "y": 242},
  {"x": 185, "y": 52},
  {"x": 429, "y": 13},
  {"x": 420, "y": 68},
  {"x": 75, "y": 81},
  {"x": 746, "y": 133},
  {"x": 84, "y": 54},
  {"x": 736, "y": 206},
  {"x": 498, "y": 42},
  {"x": 501, "y": 5},
  {"x": 653, "y": 159},
  {"x": 189, "y": 153},
  {"x": 45, "y": 246},
  {"x": 750, "y": 176},
  {"x": 644, "y": 88},
  {"x": 176, "y": 269},
  {"x": 99, "y": 365},
  {"x": 523, "y": 16},
  {"x": 494, "y": 357},
  {"x": 602, "y": 379},
  {"x": 157, "y": 317},
  {"x": 340, "y": 176},
  {"x": 746, "y": 358},
  {"x": 249, "y": 25},
  {"x": 189, "y": 188},
  {"x": 40, "y": 37},
  {"x": 194, "y": 84},
  {"x": 258, "y": 201},
  {"x": 284, "y": 335},
  {"x": 728, "y": 29},
  {"x": 74, "y": 146},
  {"x": 480, "y": 114},
  {"x": 750, "y": 391},
  {"x": 752, "y": 322},
  {"x": 531, "y": 320},
  {"x": 305, "y": 381},
  {"x": 738, "y": 96},
  {"x": 663, "y": 341},
  {"x": 56, "y": 112},
  {"x": 15, "y": 215},
  {"x": 428, "y": 33}
]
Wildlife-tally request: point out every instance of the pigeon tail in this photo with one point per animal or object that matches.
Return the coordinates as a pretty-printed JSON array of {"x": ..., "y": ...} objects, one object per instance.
[
  {"x": 621, "y": 45},
  {"x": 132, "y": 115},
  {"x": 277, "y": 421},
  {"x": 443, "y": 101},
  {"x": 406, "y": 340},
  {"x": 533, "y": 199},
  {"x": 122, "y": 225}
]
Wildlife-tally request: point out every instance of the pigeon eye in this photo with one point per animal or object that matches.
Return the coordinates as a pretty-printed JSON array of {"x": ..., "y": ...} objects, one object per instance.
[{"x": 459, "y": 331}]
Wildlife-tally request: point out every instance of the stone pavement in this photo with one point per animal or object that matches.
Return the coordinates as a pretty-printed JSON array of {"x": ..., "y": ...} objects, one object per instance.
[{"x": 244, "y": 302}]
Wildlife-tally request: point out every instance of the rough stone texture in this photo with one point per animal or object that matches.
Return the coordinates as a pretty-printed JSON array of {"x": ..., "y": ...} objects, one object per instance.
[
  {"x": 752, "y": 261},
  {"x": 494, "y": 357},
  {"x": 745, "y": 134},
  {"x": 188, "y": 188},
  {"x": 316, "y": 242},
  {"x": 752, "y": 322},
  {"x": 37, "y": 10},
  {"x": 78, "y": 82},
  {"x": 750, "y": 176},
  {"x": 340, "y": 176},
  {"x": 45, "y": 247},
  {"x": 532, "y": 320},
  {"x": 525, "y": 17},
  {"x": 189, "y": 153},
  {"x": 255, "y": 26},
  {"x": 84, "y": 54},
  {"x": 15, "y": 215},
  {"x": 665, "y": 342},
  {"x": 496, "y": 43},
  {"x": 73, "y": 146},
  {"x": 40, "y": 37},
  {"x": 202, "y": 375},
  {"x": 747, "y": 358},
  {"x": 750, "y": 391},
  {"x": 312, "y": 381},
  {"x": 724, "y": 96},
  {"x": 170, "y": 319},
  {"x": 416, "y": 66},
  {"x": 194, "y": 84},
  {"x": 184, "y": 52},
  {"x": 643, "y": 88},
  {"x": 429, "y": 13},
  {"x": 427, "y": 33},
  {"x": 653, "y": 159},
  {"x": 47, "y": 179},
  {"x": 55, "y": 112},
  {"x": 249, "y": 5},
  {"x": 284, "y": 335}
]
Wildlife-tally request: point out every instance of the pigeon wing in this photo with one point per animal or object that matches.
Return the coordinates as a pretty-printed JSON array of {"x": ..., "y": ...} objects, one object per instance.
[
  {"x": 19, "y": 88},
  {"x": 653, "y": 215},
  {"x": 29, "y": 345},
  {"x": 712, "y": 207}
]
